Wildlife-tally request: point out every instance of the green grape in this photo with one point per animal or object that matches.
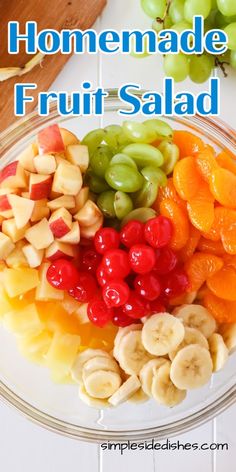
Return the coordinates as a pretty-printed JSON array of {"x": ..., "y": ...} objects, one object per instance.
[
  {"x": 167, "y": 22},
  {"x": 160, "y": 127},
  {"x": 138, "y": 132},
  {"x": 154, "y": 174},
  {"x": 123, "y": 159},
  {"x": 93, "y": 139},
  {"x": 100, "y": 160},
  {"x": 144, "y": 155},
  {"x": 196, "y": 7},
  {"x": 145, "y": 52},
  {"x": 124, "y": 178},
  {"x": 147, "y": 195},
  {"x": 158, "y": 25},
  {"x": 210, "y": 21},
  {"x": 105, "y": 202},
  {"x": 176, "y": 10},
  {"x": 176, "y": 66},
  {"x": 115, "y": 137},
  {"x": 140, "y": 214},
  {"x": 96, "y": 184},
  {"x": 227, "y": 7},
  {"x": 154, "y": 8},
  {"x": 230, "y": 30},
  {"x": 233, "y": 59},
  {"x": 221, "y": 21},
  {"x": 181, "y": 26},
  {"x": 201, "y": 68},
  {"x": 171, "y": 155},
  {"x": 122, "y": 204}
]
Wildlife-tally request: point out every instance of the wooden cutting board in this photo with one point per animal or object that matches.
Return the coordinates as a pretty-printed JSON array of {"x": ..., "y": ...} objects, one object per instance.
[{"x": 55, "y": 14}]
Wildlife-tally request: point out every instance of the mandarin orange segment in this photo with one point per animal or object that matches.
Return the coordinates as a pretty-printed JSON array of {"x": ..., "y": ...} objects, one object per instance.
[
  {"x": 223, "y": 187},
  {"x": 228, "y": 237},
  {"x": 186, "y": 178},
  {"x": 189, "y": 248},
  {"x": 223, "y": 311},
  {"x": 206, "y": 163},
  {"x": 168, "y": 191},
  {"x": 229, "y": 260},
  {"x": 200, "y": 267},
  {"x": 224, "y": 217},
  {"x": 180, "y": 223},
  {"x": 226, "y": 161},
  {"x": 223, "y": 283},
  {"x": 201, "y": 214},
  {"x": 213, "y": 247},
  {"x": 188, "y": 143}
]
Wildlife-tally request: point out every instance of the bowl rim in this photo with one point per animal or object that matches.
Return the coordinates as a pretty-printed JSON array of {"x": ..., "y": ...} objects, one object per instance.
[{"x": 8, "y": 139}]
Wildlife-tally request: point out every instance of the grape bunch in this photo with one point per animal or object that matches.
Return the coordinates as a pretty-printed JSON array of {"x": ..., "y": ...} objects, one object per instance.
[{"x": 178, "y": 15}]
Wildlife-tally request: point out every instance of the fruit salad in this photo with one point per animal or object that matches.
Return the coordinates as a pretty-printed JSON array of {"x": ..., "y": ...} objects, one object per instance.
[{"x": 118, "y": 260}]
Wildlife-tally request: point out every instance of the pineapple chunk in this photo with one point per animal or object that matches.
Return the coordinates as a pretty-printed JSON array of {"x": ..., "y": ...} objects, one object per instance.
[
  {"x": 19, "y": 281},
  {"x": 5, "y": 305},
  {"x": 44, "y": 290},
  {"x": 35, "y": 346},
  {"x": 17, "y": 259},
  {"x": 23, "y": 321},
  {"x": 81, "y": 313},
  {"x": 6, "y": 246},
  {"x": 62, "y": 353}
]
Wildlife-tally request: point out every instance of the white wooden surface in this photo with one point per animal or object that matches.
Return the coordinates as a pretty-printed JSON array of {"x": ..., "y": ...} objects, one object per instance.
[{"x": 25, "y": 447}]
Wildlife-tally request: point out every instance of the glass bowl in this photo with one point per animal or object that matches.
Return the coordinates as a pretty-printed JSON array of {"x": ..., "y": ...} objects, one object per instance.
[{"x": 28, "y": 388}]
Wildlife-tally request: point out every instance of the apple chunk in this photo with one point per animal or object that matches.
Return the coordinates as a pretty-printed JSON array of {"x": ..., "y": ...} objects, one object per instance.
[
  {"x": 39, "y": 186},
  {"x": 50, "y": 140},
  {"x": 22, "y": 209},
  {"x": 73, "y": 237},
  {"x": 89, "y": 214},
  {"x": 68, "y": 137},
  {"x": 40, "y": 235},
  {"x": 45, "y": 164},
  {"x": 13, "y": 176},
  {"x": 67, "y": 179},
  {"x": 40, "y": 210},
  {"x": 59, "y": 250},
  {"x": 60, "y": 222},
  {"x": 80, "y": 199},
  {"x": 66, "y": 201},
  {"x": 4, "y": 203},
  {"x": 44, "y": 290},
  {"x": 78, "y": 155},
  {"x": 26, "y": 158},
  {"x": 17, "y": 259},
  {"x": 88, "y": 232},
  {"x": 10, "y": 229},
  {"x": 6, "y": 246},
  {"x": 33, "y": 256}
]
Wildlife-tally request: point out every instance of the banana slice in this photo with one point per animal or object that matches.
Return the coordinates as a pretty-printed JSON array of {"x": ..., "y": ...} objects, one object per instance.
[
  {"x": 162, "y": 333},
  {"x": 131, "y": 353},
  {"x": 127, "y": 390},
  {"x": 163, "y": 389},
  {"x": 99, "y": 363},
  {"x": 139, "y": 397},
  {"x": 192, "y": 336},
  {"x": 147, "y": 373},
  {"x": 191, "y": 368},
  {"x": 82, "y": 358},
  {"x": 102, "y": 383},
  {"x": 121, "y": 333},
  {"x": 196, "y": 316},
  {"x": 90, "y": 401},
  {"x": 219, "y": 351},
  {"x": 228, "y": 332}
]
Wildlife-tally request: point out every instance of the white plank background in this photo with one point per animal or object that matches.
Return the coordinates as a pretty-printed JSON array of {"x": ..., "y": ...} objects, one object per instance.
[{"x": 24, "y": 446}]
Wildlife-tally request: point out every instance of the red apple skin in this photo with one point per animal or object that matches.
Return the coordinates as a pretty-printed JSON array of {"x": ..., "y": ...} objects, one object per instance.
[
  {"x": 59, "y": 228},
  {"x": 41, "y": 190},
  {"x": 50, "y": 140},
  {"x": 4, "y": 203},
  {"x": 8, "y": 171},
  {"x": 59, "y": 255}
]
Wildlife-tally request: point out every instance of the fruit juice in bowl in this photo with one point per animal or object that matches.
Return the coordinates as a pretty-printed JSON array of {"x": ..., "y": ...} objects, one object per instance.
[{"x": 115, "y": 245}]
